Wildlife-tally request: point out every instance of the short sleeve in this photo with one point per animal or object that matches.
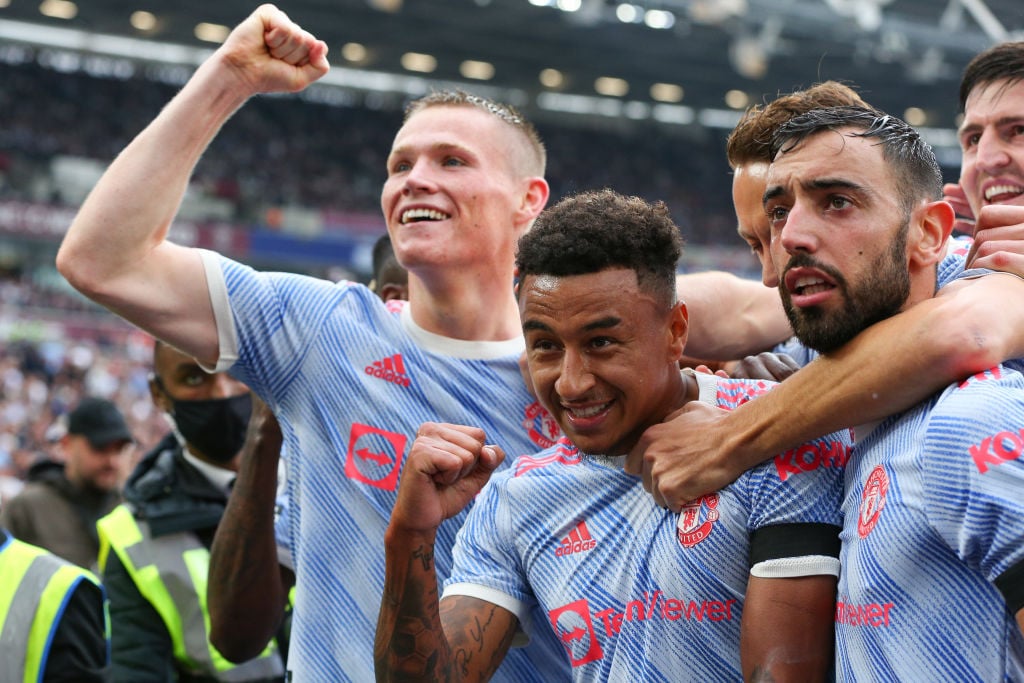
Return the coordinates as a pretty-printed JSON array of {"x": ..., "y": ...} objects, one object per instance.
[
  {"x": 270, "y": 322},
  {"x": 486, "y": 562},
  {"x": 973, "y": 473}
]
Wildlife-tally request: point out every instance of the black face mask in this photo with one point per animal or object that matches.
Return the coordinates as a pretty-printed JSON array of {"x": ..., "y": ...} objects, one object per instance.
[{"x": 215, "y": 427}]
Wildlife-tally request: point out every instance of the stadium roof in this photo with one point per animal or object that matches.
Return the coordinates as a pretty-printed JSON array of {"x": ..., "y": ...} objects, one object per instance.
[{"x": 899, "y": 53}]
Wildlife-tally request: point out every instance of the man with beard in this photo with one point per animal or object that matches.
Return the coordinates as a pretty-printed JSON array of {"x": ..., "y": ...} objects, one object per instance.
[
  {"x": 58, "y": 508},
  {"x": 963, "y": 330},
  {"x": 933, "y": 534},
  {"x": 155, "y": 547}
]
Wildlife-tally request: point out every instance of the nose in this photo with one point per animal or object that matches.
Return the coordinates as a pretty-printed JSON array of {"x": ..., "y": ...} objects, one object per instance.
[
  {"x": 797, "y": 233},
  {"x": 574, "y": 379},
  {"x": 224, "y": 386},
  {"x": 419, "y": 178},
  {"x": 992, "y": 155}
]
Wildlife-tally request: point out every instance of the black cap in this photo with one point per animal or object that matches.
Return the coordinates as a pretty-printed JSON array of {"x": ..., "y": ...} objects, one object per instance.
[{"x": 99, "y": 421}]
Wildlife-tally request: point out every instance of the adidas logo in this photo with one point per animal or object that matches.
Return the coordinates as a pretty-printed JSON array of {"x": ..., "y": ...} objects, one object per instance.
[
  {"x": 391, "y": 369},
  {"x": 579, "y": 540}
]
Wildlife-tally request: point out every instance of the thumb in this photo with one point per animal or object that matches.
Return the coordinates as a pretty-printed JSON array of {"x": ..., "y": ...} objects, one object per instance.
[{"x": 491, "y": 456}]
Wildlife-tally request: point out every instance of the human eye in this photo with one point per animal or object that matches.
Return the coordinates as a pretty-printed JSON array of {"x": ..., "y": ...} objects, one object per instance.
[
  {"x": 542, "y": 345},
  {"x": 838, "y": 202},
  {"x": 398, "y": 166},
  {"x": 453, "y": 161},
  {"x": 969, "y": 140},
  {"x": 193, "y": 379},
  {"x": 602, "y": 343},
  {"x": 1017, "y": 130},
  {"x": 776, "y": 213}
]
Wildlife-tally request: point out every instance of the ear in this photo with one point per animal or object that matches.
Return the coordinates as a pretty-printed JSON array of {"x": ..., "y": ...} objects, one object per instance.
[
  {"x": 679, "y": 326},
  {"x": 932, "y": 223},
  {"x": 159, "y": 399},
  {"x": 393, "y": 290},
  {"x": 533, "y": 200}
]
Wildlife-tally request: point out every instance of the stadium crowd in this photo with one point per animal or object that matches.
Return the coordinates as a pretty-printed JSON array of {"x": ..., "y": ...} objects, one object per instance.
[{"x": 301, "y": 160}]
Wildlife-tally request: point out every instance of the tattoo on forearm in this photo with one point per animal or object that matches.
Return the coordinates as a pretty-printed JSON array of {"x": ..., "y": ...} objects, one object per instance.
[
  {"x": 760, "y": 675},
  {"x": 425, "y": 554}
]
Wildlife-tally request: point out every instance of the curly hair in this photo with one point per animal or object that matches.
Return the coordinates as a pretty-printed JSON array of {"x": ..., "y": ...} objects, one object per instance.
[
  {"x": 750, "y": 141},
  {"x": 596, "y": 230}
]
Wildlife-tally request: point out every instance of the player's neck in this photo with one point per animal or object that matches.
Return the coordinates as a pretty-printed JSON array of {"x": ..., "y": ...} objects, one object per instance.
[{"x": 468, "y": 309}]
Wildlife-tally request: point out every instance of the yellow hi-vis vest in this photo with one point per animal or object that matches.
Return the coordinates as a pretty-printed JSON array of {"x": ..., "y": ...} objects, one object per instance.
[
  {"x": 171, "y": 572},
  {"x": 35, "y": 586}
]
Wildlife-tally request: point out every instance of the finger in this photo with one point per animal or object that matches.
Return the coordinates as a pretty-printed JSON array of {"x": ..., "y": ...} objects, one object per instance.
[
  {"x": 490, "y": 457},
  {"x": 1001, "y": 261},
  {"x": 290, "y": 45}
]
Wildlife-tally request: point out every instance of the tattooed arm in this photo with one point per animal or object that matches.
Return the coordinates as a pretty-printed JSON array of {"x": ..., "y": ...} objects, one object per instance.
[
  {"x": 418, "y": 639},
  {"x": 246, "y": 587}
]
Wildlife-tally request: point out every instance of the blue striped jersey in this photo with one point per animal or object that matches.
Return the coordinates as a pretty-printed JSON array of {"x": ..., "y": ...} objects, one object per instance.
[
  {"x": 351, "y": 379},
  {"x": 934, "y": 529},
  {"x": 573, "y": 545}
]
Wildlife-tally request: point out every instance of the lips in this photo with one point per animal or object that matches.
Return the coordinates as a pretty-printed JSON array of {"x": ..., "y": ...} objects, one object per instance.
[{"x": 807, "y": 286}]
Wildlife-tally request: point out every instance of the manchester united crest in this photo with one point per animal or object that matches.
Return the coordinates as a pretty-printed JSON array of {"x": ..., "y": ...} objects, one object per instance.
[
  {"x": 872, "y": 501},
  {"x": 696, "y": 520}
]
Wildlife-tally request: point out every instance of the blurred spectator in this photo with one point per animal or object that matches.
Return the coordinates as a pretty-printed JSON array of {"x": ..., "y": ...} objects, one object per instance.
[
  {"x": 45, "y": 113},
  {"x": 62, "y": 501}
]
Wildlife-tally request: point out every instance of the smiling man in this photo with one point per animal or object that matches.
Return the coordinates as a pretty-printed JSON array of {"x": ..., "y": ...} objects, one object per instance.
[
  {"x": 738, "y": 586},
  {"x": 348, "y": 378},
  {"x": 933, "y": 512}
]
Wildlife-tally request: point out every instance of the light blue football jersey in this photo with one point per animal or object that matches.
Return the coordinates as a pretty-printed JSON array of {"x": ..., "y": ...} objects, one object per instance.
[
  {"x": 934, "y": 528},
  {"x": 575, "y": 546},
  {"x": 351, "y": 379}
]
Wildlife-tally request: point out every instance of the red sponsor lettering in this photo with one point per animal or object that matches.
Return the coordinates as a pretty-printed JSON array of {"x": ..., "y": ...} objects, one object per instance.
[
  {"x": 997, "y": 449},
  {"x": 811, "y": 456},
  {"x": 991, "y": 373},
  {"x": 872, "y": 614},
  {"x": 657, "y": 606}
]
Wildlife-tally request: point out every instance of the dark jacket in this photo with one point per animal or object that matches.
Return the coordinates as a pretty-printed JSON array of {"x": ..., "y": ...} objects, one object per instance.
[
  {"x": 50, "y": 512},
  {"x": 171, "y": 496}
]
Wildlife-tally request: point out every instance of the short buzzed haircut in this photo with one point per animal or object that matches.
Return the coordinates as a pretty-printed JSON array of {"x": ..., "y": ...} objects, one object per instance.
[
  {"x": 597, "y": 230},
  {"x": 1003, "y": 62},
  {"x": 505, "y": 112},
  {"x": 750, "y": 141}
]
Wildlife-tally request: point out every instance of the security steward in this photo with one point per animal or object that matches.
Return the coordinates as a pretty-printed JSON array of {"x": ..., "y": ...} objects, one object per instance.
[
  {"x": 154, "y": 548},
  {"x": 53, "y": 620}
]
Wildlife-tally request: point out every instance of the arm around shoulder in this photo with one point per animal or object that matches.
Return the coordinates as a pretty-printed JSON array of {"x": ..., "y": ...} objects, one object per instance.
[{"x": 730, "y": 317}]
